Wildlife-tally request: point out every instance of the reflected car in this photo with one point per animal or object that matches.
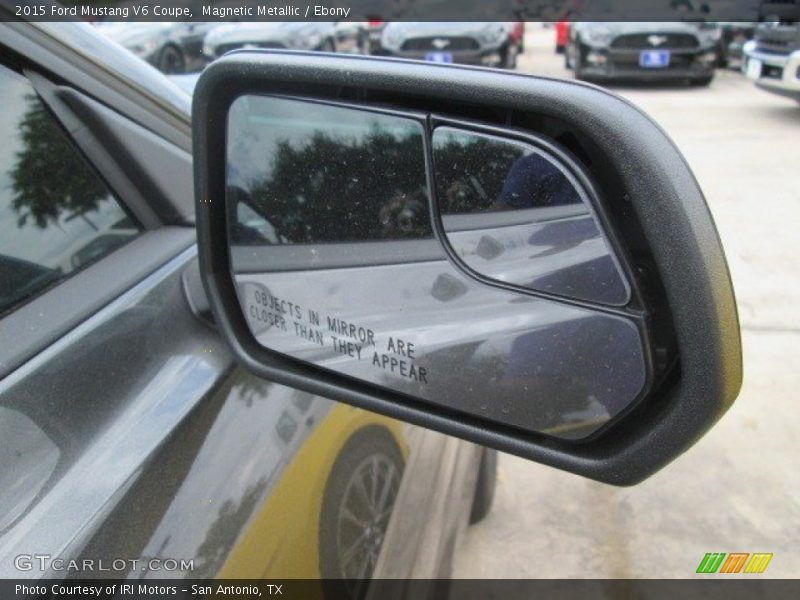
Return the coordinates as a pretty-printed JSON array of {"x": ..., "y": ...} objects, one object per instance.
[
  {"x": 170, "y": 47},
  {"x": 343, "y": 36},
  {"x": 643, "y": 52},
  {"x": 490, "y": 44}
]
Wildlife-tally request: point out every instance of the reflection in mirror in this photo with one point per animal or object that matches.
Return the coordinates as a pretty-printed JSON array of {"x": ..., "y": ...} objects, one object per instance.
[
  {"x": 28, "y": 458},
  {"x": 513, "y": 214},
  {"x": 336, "y": 264},
  {"x": 320, "y": 174}
]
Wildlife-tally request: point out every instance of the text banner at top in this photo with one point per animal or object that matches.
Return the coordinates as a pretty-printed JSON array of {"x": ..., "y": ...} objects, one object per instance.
[{"x": 400, "y": 10}]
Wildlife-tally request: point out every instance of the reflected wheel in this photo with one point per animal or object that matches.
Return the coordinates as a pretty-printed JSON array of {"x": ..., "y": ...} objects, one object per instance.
[{"x": 358, "y": 502}]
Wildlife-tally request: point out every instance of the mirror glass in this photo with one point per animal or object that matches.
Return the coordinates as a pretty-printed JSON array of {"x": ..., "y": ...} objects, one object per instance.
[
  {"x": 336, "y": 263},
  {"x": 514, "y": 214}
]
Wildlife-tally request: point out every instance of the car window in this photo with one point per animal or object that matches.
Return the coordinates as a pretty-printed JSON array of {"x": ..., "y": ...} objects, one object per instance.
[{"x": 56, "y": 215}]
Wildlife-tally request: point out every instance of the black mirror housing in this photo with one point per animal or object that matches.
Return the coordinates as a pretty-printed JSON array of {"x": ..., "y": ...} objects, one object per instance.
[{"x": 679, "y": 296}]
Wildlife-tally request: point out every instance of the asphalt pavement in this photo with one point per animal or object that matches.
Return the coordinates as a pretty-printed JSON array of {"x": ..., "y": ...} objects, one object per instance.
[{"x": 738, "y": 489}]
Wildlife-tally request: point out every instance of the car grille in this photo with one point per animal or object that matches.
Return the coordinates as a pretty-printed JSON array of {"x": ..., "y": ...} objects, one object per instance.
[
  {"x": 773, "y": 46},
  {"x": 639, "y": 41},
  {"x": 454, "y": 44},
  {"x": 223, "y": 48}
]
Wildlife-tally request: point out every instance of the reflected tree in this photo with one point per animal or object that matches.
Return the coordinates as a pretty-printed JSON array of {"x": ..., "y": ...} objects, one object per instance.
[
  {"x": 223, "y": 532},
  {"x": 49, "y": 179},
  {"x": 335, "y": 190},
  {"x": 475, "y": 173},
  {"x": 471, "y": 171},
  {"x": 251, "y": 389}
]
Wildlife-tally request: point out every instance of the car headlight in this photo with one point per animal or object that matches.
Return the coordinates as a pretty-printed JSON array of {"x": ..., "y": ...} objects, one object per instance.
[
  {"x": 597, "y": 36},
  {"x": 208, "y": 49}
]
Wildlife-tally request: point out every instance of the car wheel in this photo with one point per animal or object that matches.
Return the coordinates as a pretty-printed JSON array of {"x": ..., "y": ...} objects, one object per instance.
[
  {"x": 702, "y": 81},
  {"x": 171, "y": 61},
  {"x": 359, "y": 496},
  {"x": 484, "y": 489}
]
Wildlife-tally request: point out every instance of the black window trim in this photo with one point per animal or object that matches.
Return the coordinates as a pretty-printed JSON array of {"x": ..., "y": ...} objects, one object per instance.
[{"x": 93, "y": 151}]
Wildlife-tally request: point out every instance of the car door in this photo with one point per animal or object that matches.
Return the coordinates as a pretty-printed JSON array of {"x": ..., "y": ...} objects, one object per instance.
[
  {"x": 101, "y": 357},
  {"x": 129, "y": 434}
]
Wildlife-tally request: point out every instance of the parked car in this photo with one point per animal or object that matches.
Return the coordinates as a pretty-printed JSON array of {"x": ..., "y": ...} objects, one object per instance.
[
  {"x": 170, "y": 47},
  {"x": 344, "y": 36},
  {"x": 772, "y": 59},
  {"x": 491, "y": 44},
  {"x": 643, "y": 52},
  {"x": 128, "y": 429}
]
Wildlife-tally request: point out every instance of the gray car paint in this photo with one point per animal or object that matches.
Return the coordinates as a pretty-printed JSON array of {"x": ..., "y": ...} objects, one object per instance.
[{"x": 132, "y": 384}]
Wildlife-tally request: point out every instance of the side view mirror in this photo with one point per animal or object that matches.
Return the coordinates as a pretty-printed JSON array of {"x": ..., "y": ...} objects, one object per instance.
[{"x": 522, "y": 262}]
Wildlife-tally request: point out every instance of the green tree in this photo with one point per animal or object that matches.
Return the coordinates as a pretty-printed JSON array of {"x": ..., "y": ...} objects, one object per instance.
[
  {"x": 335, "y": 190},
  {"x": 50, "y": 179}
]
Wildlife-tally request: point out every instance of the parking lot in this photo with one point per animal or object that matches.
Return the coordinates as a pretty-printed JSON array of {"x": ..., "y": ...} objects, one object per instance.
[{"x": 738, "y": 489}]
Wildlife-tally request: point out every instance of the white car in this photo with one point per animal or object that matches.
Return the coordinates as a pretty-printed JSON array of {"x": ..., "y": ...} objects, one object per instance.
[
  {"x": 324, "y": 36},
  {"x": 772, "y": 59}
]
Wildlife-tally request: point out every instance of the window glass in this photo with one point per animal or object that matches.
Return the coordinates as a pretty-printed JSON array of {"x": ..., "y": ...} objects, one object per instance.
[{"x": 56, "y": 215}]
